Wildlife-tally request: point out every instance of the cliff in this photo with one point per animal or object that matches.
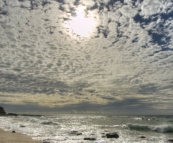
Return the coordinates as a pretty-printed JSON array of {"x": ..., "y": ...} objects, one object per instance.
[{"x": 2, "y": 111}]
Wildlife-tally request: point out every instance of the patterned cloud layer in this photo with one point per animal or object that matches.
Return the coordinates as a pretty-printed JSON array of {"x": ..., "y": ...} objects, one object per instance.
[{"x": 127, "y": 57}]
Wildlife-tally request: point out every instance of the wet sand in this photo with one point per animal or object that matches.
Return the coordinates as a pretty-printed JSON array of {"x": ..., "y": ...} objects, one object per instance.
[{"x": 9, "y": 137}]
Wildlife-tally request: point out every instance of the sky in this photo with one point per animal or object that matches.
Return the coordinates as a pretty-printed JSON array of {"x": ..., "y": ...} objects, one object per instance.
[{"x": 86, "y": 56}]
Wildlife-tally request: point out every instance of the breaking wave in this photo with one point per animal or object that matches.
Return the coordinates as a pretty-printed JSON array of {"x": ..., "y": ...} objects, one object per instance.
[
  {"x": 48, "y": 123},
  {"x": 161, "y": 128},
  {"x": 43, "y": 122}
]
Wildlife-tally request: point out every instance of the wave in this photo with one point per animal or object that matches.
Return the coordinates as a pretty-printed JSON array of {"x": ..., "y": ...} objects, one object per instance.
[
  {"x": 137, "y": 118},
  {"x": 43, "y": 122},
  {"x": 34, "y": 120},
  {"x": 161, "y": 128},
  {"x": 48, "y": 123}
]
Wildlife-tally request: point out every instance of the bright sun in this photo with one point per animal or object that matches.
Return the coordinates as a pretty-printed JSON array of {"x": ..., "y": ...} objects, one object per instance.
[{"x": 80, "y": 24}]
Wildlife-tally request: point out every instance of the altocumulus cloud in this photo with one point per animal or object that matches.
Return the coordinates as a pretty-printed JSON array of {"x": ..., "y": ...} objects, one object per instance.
[{"x": 124, "y": 65}]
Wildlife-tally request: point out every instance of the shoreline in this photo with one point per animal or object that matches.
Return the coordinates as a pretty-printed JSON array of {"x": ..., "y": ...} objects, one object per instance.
[{"x": 9, "y": 137}]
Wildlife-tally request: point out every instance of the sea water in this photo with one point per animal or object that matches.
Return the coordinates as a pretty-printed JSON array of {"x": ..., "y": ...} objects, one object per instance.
[{"x": 73, "y": 128}]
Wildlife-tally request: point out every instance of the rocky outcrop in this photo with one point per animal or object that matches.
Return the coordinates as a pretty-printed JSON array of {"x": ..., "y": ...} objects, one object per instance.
[
  {"x": 2, "y": 111},
  {"x": 112, "y": 135},
  {"x": 170, "y": 140}
]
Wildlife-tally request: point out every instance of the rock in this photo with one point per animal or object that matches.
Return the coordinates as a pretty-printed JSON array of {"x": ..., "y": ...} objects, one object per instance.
[
  {"x": 2, "y": 111},
  {"x": 46, "y": 141},
  {"x": 112, "y": 135},
  {"x": 90, "y": 139},
  {"x": 75, "y": 133},
  {"x": 142, "y": 137},
  {"x": 170, "y": 140},
  {"x": 22, "y": 126},
  {"x": 13, "y": 131},
  {"x": 103, "y": 135}
]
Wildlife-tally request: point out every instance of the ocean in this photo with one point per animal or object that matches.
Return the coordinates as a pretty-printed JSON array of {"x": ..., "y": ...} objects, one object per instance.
[{"x": 82, "y": 128}]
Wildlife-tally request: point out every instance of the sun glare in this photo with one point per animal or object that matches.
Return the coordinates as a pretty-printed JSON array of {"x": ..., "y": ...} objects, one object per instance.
[{"x": 80, "y": 24}]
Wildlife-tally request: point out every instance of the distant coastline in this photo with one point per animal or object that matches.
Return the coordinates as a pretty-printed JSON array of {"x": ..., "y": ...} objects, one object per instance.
[{"x": 14, "y": 114}]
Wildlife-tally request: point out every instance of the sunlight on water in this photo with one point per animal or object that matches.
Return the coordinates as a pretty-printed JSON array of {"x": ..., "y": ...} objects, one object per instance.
[{"x": 74, "y": 128}]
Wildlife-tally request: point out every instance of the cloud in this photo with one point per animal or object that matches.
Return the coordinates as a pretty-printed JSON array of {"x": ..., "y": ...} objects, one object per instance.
[
  {"x": 51, "y": 100},
  {"x": 128, "y": 11},
  {"x": 154, "y": 7},
  {"x": 127, "y": 55},
  {"x": 88, "y": 3},
  {"x": 125, "y": 107}
]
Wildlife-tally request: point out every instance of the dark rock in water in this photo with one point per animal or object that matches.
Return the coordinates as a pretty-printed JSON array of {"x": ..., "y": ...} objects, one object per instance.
[
  {"x": 13, "y": 131},
  {"x": 142, "y": 137},
  {"x": 79, "y": 134},
  {"x": 22, "y": 126},
  {"x": 112, "y": 135},
  {"x": 103, "y": 135},
  {"x": 2, "y": 111},
  {"x": 170, "y": 140},
  {"x": 46, "y": 141},
  {"x": 90, "y": 139},
  {"x": 75, "y": 133}
]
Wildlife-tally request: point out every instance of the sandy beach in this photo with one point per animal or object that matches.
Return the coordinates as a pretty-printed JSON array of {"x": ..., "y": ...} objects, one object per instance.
[{"x": 9, "y": 137}]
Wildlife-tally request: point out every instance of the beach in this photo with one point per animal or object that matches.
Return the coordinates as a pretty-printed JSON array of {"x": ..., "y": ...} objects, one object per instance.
[
  {"x": 85, "y": 128},
  {"x": 9, "y": 137}
]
